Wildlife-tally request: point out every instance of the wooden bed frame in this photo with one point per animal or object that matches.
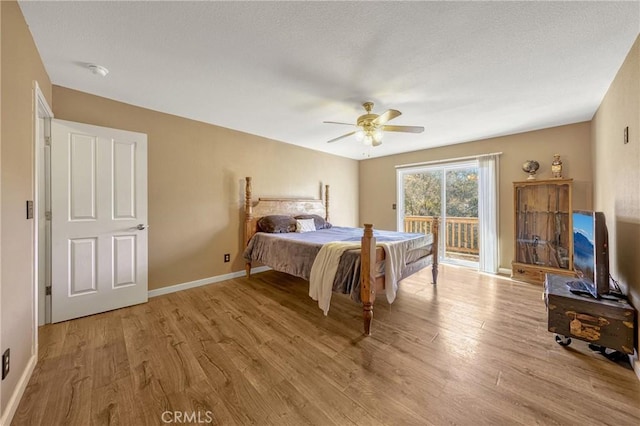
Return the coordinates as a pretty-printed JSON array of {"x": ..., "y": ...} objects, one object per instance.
[{"x": 370, "y": 253}]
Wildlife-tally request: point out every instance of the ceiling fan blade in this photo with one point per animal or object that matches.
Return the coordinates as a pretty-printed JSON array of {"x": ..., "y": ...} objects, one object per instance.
[
  {"x": 338, "y": 122},
  {"x": 406, "y": 129},
  {"x": 341, "y": 137},
  {"x": 388, "y": 115}
]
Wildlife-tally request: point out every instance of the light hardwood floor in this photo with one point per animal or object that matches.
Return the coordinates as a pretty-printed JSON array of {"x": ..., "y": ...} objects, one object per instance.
[{"x": 474, "y": 350}]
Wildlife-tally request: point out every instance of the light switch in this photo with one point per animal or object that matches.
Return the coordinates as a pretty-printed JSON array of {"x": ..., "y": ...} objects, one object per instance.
[
  {"x": 29, "y": 209},
  {"x": 626, "y": 135}
]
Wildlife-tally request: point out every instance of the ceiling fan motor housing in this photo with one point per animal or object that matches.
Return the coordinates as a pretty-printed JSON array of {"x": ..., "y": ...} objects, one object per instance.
[{"x": 366, "y": 121}]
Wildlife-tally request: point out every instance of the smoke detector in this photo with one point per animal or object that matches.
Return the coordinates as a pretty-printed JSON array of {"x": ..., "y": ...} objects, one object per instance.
[{"x": 98, "y": 70}]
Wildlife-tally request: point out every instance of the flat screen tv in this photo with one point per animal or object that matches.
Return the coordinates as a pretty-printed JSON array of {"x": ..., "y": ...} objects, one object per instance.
[{"x": 590, "y": 251}]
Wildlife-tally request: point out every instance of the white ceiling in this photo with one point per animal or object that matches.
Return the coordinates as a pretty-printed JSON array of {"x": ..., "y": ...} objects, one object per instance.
[{"x": 463, "y": 70}]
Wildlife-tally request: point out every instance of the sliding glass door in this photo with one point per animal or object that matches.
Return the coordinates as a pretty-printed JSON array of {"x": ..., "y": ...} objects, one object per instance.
[{"x": 449, "y": 191}]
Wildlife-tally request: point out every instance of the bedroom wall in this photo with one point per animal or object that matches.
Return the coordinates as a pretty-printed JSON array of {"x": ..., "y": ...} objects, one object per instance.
[
  {"x": 196, "y": 183},
  {"x": 1, "y": 346},
  {"x": 572, "y": 142},
  {"x": 616, "y": 168},
  {"x": 21, "y": 65}
]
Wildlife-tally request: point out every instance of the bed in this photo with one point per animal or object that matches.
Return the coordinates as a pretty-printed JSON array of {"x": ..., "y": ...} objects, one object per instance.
[{"x": 366, "y": 261}]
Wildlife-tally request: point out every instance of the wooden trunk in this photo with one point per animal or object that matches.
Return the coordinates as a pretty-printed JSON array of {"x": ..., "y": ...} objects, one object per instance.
[{"x": 603, "y": 322}]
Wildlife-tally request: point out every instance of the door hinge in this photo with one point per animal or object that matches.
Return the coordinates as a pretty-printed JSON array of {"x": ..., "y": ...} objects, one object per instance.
[
  {"x": 47, "y": 140},
  {"x": 47, "y": 291},
  {"x": 47, "y": 215}
]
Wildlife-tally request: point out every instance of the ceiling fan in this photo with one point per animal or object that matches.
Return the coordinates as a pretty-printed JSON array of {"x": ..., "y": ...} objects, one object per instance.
[{"x": 371, "y": 126}]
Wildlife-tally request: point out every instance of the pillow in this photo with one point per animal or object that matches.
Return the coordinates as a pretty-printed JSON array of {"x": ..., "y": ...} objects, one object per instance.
[
  {"x": 318, "y": 220},
  {"x": 276, "y": 223},
  {"x": 305, "y": 225}
]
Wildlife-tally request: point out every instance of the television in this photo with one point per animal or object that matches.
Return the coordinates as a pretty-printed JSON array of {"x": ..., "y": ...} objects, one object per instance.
[{"x": 590, "y": 252}]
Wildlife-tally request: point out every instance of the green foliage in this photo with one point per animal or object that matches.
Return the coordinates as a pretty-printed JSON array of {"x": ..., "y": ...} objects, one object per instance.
[
  {"x": 462, "y": 193},
  {"x": 422, "y": 193}
]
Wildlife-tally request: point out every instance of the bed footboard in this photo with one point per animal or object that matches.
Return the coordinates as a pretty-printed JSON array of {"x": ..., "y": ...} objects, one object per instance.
[
  {"x": 368, "y": 281},
  {"x": 435, "y": 226},
  {"x": 367, "y": 276}
]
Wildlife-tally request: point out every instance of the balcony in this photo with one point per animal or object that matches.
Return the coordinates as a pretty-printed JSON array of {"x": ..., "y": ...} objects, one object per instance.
[{"x": 461, "y": 235}]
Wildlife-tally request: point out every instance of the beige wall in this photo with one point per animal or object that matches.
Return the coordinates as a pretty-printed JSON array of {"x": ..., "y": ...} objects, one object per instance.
[
  {"x": 196, "y": 177},
  {"x": 617, "y": 173},
  {"x": 572, "y": 142},
  {"x": 21, "y": 65},
  {"x": 1, "y": 345}
]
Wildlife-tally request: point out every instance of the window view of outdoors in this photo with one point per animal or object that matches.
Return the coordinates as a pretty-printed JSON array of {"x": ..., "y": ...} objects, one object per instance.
[
  {"x": 422, "y": 194},
  {"x": 423, "y": 200}
]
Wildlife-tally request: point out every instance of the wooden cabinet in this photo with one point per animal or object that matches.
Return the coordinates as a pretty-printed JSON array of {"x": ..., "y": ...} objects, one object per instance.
[{"x": 543, "y": 229}]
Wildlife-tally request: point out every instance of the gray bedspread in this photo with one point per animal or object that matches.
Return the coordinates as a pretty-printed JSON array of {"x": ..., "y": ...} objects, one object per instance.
[{"x": 294, "y": 253}]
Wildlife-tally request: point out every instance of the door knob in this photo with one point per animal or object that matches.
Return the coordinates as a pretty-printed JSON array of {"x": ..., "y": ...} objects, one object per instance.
[{"x": 141, "y": 227}]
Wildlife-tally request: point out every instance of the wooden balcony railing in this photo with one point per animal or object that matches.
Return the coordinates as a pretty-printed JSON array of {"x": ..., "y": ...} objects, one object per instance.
[{"x": 461, "y": 233}]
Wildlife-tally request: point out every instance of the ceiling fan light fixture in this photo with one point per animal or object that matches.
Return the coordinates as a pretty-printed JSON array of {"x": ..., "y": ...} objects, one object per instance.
[
  {"x": 377, "y": 135},
  {"x": 369, "y": 136}
]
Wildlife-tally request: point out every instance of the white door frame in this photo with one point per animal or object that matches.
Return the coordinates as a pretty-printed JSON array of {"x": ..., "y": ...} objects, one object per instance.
[
  {"x": 41, "y": 303},
  {"x": 41, "y": 110}
]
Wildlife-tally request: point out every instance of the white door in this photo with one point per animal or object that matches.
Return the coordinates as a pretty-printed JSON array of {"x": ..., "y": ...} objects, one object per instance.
[{"x": 98, "y": 219}]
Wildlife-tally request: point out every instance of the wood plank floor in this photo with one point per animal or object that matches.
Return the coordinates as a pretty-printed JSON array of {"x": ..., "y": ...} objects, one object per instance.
[{"x": 474, "y": 350}]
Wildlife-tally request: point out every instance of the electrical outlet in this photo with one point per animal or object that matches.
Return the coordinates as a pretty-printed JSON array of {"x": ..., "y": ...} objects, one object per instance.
[
  {"x": 227, "y": 258},
  {"x": 393, "y": 206},
  {"x": 6, "y": 358}
]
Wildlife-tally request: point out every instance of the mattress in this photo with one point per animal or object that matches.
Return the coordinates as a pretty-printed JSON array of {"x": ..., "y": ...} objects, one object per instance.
[{"x": 294, "y": 253}]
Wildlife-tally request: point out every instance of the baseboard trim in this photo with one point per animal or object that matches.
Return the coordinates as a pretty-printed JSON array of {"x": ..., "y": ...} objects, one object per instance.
[
  {"x": 12, "y": 405},
  {"x": 204, "y": 281},
  {"x": 504, "y": 271}
]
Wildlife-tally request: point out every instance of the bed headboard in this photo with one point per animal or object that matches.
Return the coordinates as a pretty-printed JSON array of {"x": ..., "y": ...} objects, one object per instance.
[{"x": 289, "y": 206}]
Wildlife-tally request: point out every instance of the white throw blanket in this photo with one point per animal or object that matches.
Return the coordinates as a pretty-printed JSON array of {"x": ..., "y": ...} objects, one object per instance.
[
  {"x": 323, "y": 272},
  {"x": 394, "y": 261},
  {"x": 325, "y": 266}
]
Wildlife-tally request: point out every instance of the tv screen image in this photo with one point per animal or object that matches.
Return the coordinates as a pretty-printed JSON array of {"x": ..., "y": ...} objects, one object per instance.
[
  {"x": 583, "y": 246},
  {"x": 590, "y": 253}
]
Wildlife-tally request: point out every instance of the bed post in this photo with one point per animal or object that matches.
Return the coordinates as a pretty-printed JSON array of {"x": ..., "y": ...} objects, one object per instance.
[
  {"x": 435, "y": 226},
  {"x": 326, "y": 203},
  {"x": 248, "y": 217},
  {"x": 367, "y": 276}
]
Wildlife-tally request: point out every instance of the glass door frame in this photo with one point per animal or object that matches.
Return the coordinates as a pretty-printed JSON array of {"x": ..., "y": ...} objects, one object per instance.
[{"x": 400, "y": 209}]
